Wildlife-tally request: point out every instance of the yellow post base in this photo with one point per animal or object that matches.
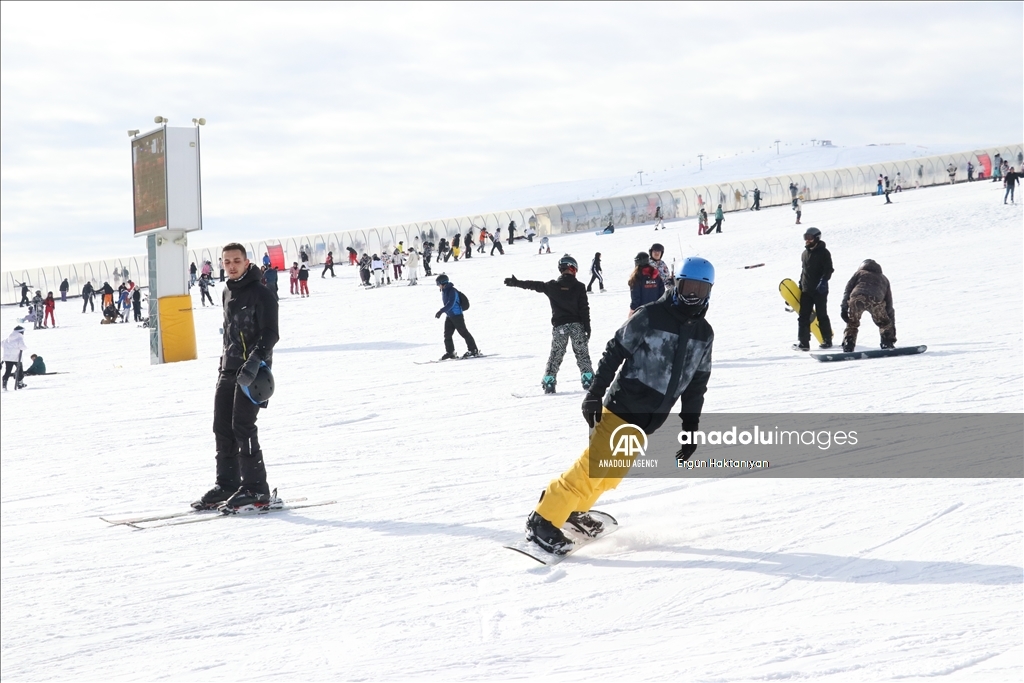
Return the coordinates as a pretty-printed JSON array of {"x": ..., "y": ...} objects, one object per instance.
[{"x": 177, "y": 329}]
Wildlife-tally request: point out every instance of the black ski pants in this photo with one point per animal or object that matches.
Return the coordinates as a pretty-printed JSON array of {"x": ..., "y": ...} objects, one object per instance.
[
  {"x": 87, "y": 301},
  {"x": 239, "y": 457},
  {"x": 453, "y": 324},
  {"x": 595, "y": 276},
  {"x": 11, "y": 369},
  {"x": 812, "y": 302},
  {"x": 497, "y": 245},
  {"x": 327, "y": 267}
]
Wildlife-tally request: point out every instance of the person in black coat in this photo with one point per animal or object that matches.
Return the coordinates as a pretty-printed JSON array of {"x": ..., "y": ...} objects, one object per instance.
[
  {"x": 817, "y": 269},
  {"x": 87, "y": 292},
  {"x": 250, "y": 333},
  {"x": 24, "y": 295},
  {"x": 570, "y": 321},
  {"x": 596, "y": 272}
]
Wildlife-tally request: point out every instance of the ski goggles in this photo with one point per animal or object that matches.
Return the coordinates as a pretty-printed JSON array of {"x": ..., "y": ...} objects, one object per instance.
[{"x": 693, "y": 290}]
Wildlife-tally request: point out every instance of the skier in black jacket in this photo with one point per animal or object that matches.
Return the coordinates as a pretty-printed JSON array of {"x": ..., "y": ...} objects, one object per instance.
[
  {"x": 87, "y": 293},
  {"x": 664, "y": 351},
  {"x": 250, "y": 333},
  {"x": 596, "y": 273},
  {"x": 570, "y": 320},
  {"x": 817, "y": 269}
]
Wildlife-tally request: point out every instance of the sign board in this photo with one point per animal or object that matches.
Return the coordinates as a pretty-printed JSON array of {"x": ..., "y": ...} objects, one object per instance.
[{"x": 166, "y": 180}]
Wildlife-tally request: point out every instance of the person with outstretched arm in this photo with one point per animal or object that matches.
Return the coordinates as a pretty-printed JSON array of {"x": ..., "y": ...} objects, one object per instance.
[{"x": 570, "y": 321}]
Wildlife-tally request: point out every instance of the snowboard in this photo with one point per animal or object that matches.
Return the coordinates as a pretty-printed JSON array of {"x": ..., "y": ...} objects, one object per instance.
[
  {"x": 535, "y": 552},
  {"x": 452, "y": 360},
  {"x": 790, "y": 291},
  {"x": 870, "y": 353}
]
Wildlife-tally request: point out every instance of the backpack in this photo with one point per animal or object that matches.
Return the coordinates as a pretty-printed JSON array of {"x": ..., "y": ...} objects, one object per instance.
[{"x": 463, "y": 300}]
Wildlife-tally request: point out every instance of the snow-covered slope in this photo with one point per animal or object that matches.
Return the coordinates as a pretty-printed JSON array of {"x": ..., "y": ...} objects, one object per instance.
[{"x": 434, "y": 466}]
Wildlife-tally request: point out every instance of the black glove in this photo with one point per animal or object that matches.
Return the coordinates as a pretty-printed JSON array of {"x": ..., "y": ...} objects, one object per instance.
[
  {"x": 247, "y": 373},
  {"x": 844, "y": 313},
  {"x": 823, "y": 286},
  {"x": 686, "y": 450},
  {"x": 511, "y": 281},
  {"x": 439, "y": 313},
  {"x": 592, "y": 407}
]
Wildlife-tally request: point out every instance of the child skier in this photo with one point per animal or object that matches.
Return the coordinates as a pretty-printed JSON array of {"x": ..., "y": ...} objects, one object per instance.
[
  {"x": 570, "y": 321},
  {"x": 665, "y": 354},
  {"x": 455, "y": 322}
]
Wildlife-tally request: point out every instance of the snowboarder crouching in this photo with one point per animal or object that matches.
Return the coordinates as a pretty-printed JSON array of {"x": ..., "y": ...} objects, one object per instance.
[
  {"x": 570, "y": 321},
  {"x": 642, "y": 393},
  {"x": 868, "y": 290}
]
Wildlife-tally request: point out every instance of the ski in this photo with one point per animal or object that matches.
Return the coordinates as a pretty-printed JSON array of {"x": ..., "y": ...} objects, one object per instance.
[
  {"x": 251, "y": 512},
  {"x": 172, "y": 515},
  {"x": 580, "y": 540},
  {"x": 871, "y": 353},
  {"x": 446, "y": 360},
  {"x": 523, "y": 394}
]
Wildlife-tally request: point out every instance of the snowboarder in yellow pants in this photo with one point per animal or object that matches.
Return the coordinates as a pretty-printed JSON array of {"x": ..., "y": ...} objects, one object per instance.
[{"x": 664, "y": 350}]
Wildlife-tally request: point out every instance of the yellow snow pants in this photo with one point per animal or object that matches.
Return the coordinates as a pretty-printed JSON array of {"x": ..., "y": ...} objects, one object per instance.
[{"x": 581, "y": 485}]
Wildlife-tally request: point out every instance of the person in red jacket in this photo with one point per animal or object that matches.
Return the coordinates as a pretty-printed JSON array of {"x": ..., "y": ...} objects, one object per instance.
[
  {"x": 645, "y": 284},
  {"x": 328, "y": 265},
  {"x": 48, "y": 306}
]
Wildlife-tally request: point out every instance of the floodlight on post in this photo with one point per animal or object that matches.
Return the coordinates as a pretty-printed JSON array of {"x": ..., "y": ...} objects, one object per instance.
[
  {"x": 160, "y": 119},
  {"x": 199, "y": 122},
  {"x": 700, "y": 159},
  {"x": 133, "y": 133},
  {"x": 641, "y": 174},
  {"x": 777, "y": 146}
]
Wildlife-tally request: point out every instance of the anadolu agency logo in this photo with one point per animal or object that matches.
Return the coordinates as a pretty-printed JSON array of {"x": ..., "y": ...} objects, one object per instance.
[
  {"x": 628, "y": 441},
  {"x": 628, "y": 448}
]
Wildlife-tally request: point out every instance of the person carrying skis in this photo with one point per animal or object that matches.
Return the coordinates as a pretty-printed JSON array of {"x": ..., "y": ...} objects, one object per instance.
[
  {"x": 451, "y": 299},
  {"x": 868, "y": 290},
  {"x": 665, "y": 355},
  {"x": 596, "y": 273},
  {"x": 645, "y": 283},
  {"x": 250, "y": 333},
  {"x": 13, "y": 347},
  {"x": 570, "y": 321},
  {"x": 814, "y": 277}
]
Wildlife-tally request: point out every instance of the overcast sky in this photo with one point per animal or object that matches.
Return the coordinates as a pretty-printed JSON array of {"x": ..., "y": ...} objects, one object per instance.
[{"x": 336, "y": 116}]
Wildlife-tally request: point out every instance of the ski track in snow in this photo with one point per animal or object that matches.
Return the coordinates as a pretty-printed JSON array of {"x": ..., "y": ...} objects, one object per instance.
[{"x": 435, "y": 466}]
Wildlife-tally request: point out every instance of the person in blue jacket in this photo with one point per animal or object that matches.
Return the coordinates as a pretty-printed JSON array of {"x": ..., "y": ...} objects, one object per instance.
[{"x": 456, "y": 320}]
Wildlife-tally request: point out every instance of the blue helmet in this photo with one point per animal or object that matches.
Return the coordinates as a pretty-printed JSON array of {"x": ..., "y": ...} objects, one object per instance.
[
  {"x": 262, "y": 388},
  {"x": 694, "y": 280}
]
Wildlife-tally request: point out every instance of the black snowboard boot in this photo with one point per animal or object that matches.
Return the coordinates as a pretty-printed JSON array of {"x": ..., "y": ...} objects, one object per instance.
[
  {"x": 849, "y": 344},
  {"x": 585, "y": 524},
  {"x": 212, "y": 499},
  {"x": 546, "y": 535},
  {"x": 801, "y": 347},
  {"x": 887, "y": 343},
  {"x": 826, "y": 344}
]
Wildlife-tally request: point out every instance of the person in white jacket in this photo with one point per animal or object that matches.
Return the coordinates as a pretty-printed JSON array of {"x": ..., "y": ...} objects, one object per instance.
[
  {"x": 377, "y": 265},
  {"x": 13, "y": 348},
  {"x": 412, "y": 262}
]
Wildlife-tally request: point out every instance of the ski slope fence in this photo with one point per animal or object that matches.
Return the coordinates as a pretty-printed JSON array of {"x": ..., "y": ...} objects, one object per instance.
[{"x": 592, "y": 214}]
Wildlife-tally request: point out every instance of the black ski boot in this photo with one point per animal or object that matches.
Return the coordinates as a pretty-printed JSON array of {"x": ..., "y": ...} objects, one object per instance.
[
  {"x": 244, "y": 500},
  {"x": 212, "y": 499},
  {"x": 449, "y": 356},
  {"x": 801, "y": 347},
  {"x": 472, "y": 353},
  {"x": 827, "y": 344},
  {"x": 585, "y": 524},
  {"x": 547, "y": 535}
]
